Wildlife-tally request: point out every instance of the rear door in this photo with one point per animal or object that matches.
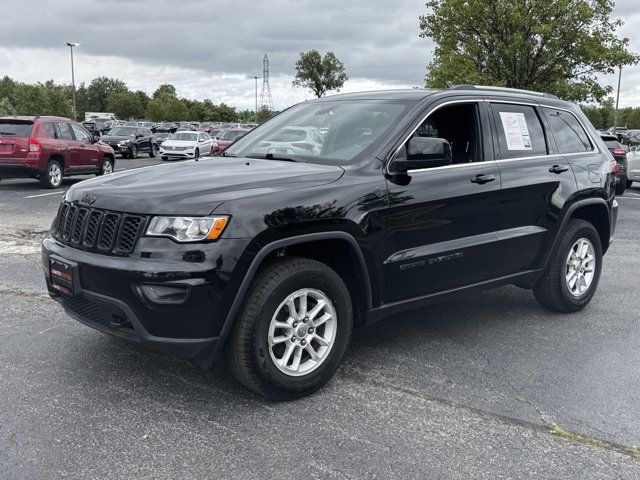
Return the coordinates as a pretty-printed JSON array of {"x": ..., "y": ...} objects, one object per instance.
[
  {"x": 536, "y": 182},
  {"x": 441, "y": 222}
]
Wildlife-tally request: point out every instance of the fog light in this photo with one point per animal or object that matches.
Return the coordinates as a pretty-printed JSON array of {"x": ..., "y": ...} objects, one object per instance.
[{"x": 164, "y": 293}]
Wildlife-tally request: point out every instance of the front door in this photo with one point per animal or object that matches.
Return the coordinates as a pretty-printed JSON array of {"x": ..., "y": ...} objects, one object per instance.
[
  {"x": 87, "y": 150},
  {"x": 441, "y": 223}
]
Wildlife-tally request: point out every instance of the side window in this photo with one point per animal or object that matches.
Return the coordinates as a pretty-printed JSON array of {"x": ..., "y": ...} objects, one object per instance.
[
  {"x": 50, "y": 129},
  {"x": 566, "y": 129},
  {"x": 520, "y": 132},
  {"x": 147, "y": 133},
  {"x": 65, "y": 131},
  {"x": 80, "y": 133},
  {"x": 459, "y": 125}
]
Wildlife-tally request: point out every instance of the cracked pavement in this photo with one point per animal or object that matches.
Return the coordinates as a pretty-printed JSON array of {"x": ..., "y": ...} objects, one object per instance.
[{"x": 464, "y": 389}]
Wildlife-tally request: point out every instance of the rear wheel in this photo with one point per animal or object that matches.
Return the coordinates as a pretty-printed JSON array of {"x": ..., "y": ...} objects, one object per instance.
[
  {"x": 573, "y": 273},
  {"x": 293, "y": 331},
  {"x": 622, "y": 185},
  {"x": 629, "y": 183},
  {"x": 52, "y": 177}
]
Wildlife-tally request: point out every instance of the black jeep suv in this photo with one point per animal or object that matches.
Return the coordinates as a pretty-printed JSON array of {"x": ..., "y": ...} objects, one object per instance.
[
  {"x": 275, "y": 250},
  {"x": 129, "y": 141}
]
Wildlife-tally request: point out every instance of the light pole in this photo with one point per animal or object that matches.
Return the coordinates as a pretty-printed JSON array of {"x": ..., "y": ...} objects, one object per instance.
[
  {"x": 256, "y": 79},
  {"x": 73, "y": 80},
  {"x": 615, "y": 118}
]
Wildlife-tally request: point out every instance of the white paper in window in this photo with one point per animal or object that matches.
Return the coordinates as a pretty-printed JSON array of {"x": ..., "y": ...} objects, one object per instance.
[{"x": 516, "y": 130}]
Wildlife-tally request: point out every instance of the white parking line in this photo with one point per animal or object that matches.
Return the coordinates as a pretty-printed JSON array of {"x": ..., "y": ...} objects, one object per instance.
[{"x": 44, "y": 194}]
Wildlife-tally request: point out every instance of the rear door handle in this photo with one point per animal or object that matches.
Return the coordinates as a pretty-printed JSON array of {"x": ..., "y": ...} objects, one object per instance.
[
  {"x": 481, "y": 179},
  {"x": 558, "y": 169}
]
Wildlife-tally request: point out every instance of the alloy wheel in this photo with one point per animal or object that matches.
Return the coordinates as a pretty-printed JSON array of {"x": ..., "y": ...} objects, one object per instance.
[
  {"x": 580, "y": 267},
  {"x": 302, "y": 332},
  {"x": 55, "y": 174}
]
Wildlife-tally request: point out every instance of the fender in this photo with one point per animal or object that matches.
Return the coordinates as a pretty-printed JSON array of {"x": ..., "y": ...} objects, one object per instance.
[
  {"x": 285, "y": 242},
  {"x": 567, "y": 216}
]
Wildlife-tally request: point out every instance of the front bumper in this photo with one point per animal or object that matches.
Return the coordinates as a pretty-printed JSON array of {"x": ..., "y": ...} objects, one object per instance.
[
  {"x": 109, "y": 294},
  {"x": 177, "y": 153}
]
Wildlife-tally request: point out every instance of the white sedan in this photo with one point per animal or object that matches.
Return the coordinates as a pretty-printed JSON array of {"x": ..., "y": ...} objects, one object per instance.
[
  {"x": 293, "y": 140},
  {"x": 187, "y": 144},
  {"x": 633, "y": 166}
]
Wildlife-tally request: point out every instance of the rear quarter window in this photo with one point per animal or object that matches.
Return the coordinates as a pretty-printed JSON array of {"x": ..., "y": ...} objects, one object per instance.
[
  {"x": 9, "y": 128},
  {"x": 567, "y": 131}
]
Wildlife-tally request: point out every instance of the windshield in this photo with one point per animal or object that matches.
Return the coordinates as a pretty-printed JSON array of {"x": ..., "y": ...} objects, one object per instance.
[
  {"x": 334, "y": 132},
  {"x": 123, "y": 131},
  {"x": 191, "y": 137}
]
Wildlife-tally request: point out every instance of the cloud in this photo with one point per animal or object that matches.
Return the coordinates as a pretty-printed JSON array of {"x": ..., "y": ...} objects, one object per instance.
[{"x": 213, "y": 49}]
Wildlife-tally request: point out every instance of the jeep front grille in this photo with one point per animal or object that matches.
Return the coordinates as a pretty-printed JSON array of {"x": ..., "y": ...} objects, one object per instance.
[{"x": 98, "y": 230}]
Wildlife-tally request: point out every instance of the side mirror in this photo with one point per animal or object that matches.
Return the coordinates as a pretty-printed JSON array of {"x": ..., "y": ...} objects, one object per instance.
[
  {"x": 95, "y": 137},
  {"x": 425, "y": 152}
]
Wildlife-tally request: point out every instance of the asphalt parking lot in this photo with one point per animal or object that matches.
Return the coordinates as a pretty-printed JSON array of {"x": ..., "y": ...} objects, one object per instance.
[{"x": 489, "y": 386}]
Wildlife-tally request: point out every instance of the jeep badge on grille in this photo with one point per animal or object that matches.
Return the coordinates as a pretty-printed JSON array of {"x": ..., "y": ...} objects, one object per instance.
[{"x": 88, "y": 199}]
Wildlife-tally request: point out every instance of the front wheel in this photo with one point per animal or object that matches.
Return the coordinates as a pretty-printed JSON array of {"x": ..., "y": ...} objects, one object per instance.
[
  {"x": 133, "y": 153},
  {"x": 629, "y": 183},
  {"x": 293, "y": 331},
  {"x": 622, "y": 185},
  {"x": 573, "y": 273},
  {"x": 153, "y": 152},
  {"x": 196, "y": 154},
  {"x": 106, "y": 167}
]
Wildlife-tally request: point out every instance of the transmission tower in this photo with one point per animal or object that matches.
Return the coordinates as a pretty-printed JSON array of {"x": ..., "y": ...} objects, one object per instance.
[{"x": 266, "y": 101}]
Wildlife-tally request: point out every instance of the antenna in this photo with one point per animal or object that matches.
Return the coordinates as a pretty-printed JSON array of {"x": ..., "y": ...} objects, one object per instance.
[{"x": 266, "y": 101}]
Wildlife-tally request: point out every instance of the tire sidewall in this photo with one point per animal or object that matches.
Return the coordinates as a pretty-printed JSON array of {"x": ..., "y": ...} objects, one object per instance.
[
  {"x": 47, "y": 180},
  {"x": 134, "y": 152},
  {"x": 590, "y": 233},
  {"x": 265, "y": 367}
]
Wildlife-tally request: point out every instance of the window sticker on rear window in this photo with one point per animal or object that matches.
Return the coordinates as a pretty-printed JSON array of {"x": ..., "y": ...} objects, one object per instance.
[{"x": 516, "y": 131}]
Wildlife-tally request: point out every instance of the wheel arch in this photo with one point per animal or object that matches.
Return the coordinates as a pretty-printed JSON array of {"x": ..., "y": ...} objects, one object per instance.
[
  {"x": 58, "y": 157},
  {"x": 357, "y": 279},
  {"x": 592, "y": 210}
]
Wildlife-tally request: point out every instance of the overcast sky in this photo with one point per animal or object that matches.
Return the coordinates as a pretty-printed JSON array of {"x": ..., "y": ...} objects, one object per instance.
[{"x": 213, "y": 48}]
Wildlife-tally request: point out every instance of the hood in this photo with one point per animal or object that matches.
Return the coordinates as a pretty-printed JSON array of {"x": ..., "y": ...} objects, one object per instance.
[
  {"x": 179, "y": 143},
  {"x": 116, "y": 138},
  {"x": 197, "y": 188}
]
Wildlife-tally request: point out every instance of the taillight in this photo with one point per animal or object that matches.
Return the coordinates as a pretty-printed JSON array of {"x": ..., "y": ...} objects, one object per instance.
[
  {"x": 34, "y": 145},
  {"x": 614, "y": 168},
  {"x": 305, "y": 146},
  {"x": 619, "y": 151}
]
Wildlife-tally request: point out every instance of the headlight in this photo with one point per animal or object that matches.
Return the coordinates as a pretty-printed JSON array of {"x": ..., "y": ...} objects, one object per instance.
[
  {"x": 124, "y": 142},
  {"x": 188, "y": 229}
]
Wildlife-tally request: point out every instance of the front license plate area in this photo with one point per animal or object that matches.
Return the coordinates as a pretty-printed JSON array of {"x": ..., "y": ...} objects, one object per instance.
[{"x": 62, "y": 276}]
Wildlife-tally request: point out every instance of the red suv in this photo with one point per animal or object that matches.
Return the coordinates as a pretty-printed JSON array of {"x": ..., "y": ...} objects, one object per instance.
[{"x": 48, "y": 148}]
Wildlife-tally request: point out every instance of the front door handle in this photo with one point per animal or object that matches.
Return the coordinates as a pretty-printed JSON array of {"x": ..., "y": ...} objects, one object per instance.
[
  {"x": 481, "y": 179},
  {"x": 558, "y": 169}
]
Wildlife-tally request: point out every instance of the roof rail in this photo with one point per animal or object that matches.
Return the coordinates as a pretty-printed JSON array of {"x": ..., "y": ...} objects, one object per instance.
[{"x": 502, "y": 89}]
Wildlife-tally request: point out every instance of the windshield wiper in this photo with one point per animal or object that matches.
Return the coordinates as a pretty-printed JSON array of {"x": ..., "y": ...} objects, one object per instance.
[
  {"x": 8, "y": 133},
  {"x": 284, "y": 158},
  {"x": 233, "y": 155}
]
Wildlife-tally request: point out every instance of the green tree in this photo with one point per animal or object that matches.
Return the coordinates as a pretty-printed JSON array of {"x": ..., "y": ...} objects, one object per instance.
[
  {"x": 556, "y": 46},
  {"x": 126, "y": 104},
  {"x": 99, "y": 90},
  {"x": 319, "y": 74},
  {"x": 165, "y": 89},
  {"x": 30, "y": 99},
  {"x": 5, "y": 107},
  {"x": 265, "y": 114},
  {"x": 59, "y": 100}
]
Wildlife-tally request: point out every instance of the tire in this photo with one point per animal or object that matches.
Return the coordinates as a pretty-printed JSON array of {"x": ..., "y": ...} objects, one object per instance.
[
  {"x": 621, "y": 186},
  {"x": 133, "y": 153},
  {"x": 253, "y": 360},
  {"x": 153, "y": 152},
  {"x": 164, "y": 159},
  {"x": 106, "y": 167},
  {"x": 52, "y": 176},
  {"x": 629, "y": 183},
  {"x": 552, "y": 289},
  {"x": 196, "y": 154}
]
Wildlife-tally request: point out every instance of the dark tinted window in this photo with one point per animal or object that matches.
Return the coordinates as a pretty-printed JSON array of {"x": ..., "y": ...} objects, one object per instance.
[
  {"x": 566, "y": 129},
  {"x": 50, "y": 130},
  {"x": 9, "y": 128},
  {"x": 613, "y": 144},
  {"x": 65, "y": 131},
  {"x": 520, "y": 132}
]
